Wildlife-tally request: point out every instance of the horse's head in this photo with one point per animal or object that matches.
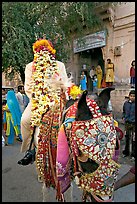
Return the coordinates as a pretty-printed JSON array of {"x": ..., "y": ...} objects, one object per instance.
[
  {"x": 93, "y": 141},
  {"x": 83, "y": 111}
]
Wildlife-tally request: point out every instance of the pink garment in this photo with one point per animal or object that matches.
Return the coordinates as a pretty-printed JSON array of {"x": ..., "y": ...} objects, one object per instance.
[{"x": 63, "y": 161}]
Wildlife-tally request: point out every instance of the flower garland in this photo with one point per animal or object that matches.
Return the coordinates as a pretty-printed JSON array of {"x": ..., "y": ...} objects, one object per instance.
[
  {"x": 43, "y": 44},
  {"x": 44, "y": 69},
  {"x": 74, "y": 91}
]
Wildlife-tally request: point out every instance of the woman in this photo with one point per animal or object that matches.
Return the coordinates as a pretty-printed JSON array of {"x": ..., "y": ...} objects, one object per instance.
[
  {"x": 12, "y": 117},
  {"x": 109, "y": 73},
  {"x": 99, "y": 76},
  {"x": 83, "y": 81}
]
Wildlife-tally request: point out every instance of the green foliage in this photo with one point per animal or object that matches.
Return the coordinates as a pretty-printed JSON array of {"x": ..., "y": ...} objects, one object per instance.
[{"x": 24, "y": 22}]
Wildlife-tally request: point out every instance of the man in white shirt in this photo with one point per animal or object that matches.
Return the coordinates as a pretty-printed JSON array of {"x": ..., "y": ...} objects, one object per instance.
[
  {"x": 91, "y": 74},
  {"x": 54, "y": 74},
  {"x": 19, "y": 96},
  {"x": 92, "y": 71},
  {"x": 25, "y": 120}
]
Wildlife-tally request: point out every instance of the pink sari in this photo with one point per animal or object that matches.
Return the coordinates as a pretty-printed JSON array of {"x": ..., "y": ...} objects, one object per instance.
[{"x": 63, "y": 161}]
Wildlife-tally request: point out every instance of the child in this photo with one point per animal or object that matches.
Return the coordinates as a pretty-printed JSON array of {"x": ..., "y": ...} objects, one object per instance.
[
  {"x": 132, "y": 74},
  {"x": 129, "y": 119},
  {"x": 95, "y": 84},
  {"x": 83, "y": 81}
]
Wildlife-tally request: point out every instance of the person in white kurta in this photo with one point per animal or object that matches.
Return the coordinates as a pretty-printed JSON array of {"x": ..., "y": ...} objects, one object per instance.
[
  {"x": 26, "y": 116},
  {"x": 19, "y": 96}
]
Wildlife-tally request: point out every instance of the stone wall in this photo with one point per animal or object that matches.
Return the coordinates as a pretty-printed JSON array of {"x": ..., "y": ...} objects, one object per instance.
[{"x": 118, "y": 99}]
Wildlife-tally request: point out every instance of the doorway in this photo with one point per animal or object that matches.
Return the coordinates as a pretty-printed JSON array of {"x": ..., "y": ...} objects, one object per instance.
[{"x": 89, "y": 58}]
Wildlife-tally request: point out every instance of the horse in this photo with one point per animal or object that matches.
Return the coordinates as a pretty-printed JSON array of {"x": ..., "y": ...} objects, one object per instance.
[{"x": 81, "y": 164}]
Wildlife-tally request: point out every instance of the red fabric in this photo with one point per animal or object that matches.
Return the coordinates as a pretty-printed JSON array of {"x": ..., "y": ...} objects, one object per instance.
[
  {"x": 120, "y": 131},
  {"x": 103, "y": 85},
  {"x": 132, "y": 72},
  {"x": 46, "y": 152},
  {"x": 5, "y": 126}
]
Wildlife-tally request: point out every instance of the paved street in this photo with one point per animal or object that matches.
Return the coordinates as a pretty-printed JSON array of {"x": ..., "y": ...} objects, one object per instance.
[{"x": 19, "y": 184}]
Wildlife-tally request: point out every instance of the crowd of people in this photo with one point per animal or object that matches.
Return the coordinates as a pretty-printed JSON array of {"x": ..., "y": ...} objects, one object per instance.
[
  {"x": 13, "y": 105},
  {"x": 100, "y": 80},
  {"x": 97, "y": 79},
  {"x": 128, "y": 114},
  {"x": 16, "y": 107}
]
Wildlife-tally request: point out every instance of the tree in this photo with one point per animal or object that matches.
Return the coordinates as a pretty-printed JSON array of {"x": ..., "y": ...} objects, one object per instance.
[
  {"x": 17, "y": 36},
  {"x": 24, "y": 22}
]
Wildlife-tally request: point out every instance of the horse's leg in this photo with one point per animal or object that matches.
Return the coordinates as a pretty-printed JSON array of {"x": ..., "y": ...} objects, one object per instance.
[
  {"x": 87, "y": 197},
  {"x": 69, "y": 194},
  {"x": 49, "y": 194}
]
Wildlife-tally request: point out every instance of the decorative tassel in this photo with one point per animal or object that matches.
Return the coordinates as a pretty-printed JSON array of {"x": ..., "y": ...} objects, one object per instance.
[{"x": 59, "y": 195}]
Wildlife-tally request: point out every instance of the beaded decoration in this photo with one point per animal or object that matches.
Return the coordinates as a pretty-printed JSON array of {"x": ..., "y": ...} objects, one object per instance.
[
  {"x": 44, "y": 69},
  {"x": 47, "y": 107},
  {"x": 95, "y": 138},
  {"x": 46, "y": 152}
]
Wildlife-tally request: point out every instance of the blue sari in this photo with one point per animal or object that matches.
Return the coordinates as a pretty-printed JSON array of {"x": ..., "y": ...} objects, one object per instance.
[
  {"x": 12, "y": 118},
  {"x": 83, "y": 83}
]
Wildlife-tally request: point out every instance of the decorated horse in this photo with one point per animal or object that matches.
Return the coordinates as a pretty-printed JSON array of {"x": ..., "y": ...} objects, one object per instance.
[
  {"x": 86, "y": 148},
  {"x": 82, "y": 149},
  {"x": 75, "y": 139}
]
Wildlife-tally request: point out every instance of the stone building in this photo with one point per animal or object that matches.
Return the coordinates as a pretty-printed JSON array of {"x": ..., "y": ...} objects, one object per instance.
[
  {"x": 117, "y": 42},
  {"x": 11, "y": 83}
]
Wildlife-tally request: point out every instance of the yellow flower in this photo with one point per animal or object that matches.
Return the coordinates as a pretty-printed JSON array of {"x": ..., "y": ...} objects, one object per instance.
[
  {"x": 115, "y": 123},
  {"x": 75, "y": 91},
  {"x": 53, "y": 51},
  {"x": 35, "y": 58}
]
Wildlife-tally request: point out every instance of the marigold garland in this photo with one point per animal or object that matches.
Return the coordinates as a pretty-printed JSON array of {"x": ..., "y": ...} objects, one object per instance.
[
  {"x": 44, "y": 69},
  {"x": 43, "y": 44}
]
